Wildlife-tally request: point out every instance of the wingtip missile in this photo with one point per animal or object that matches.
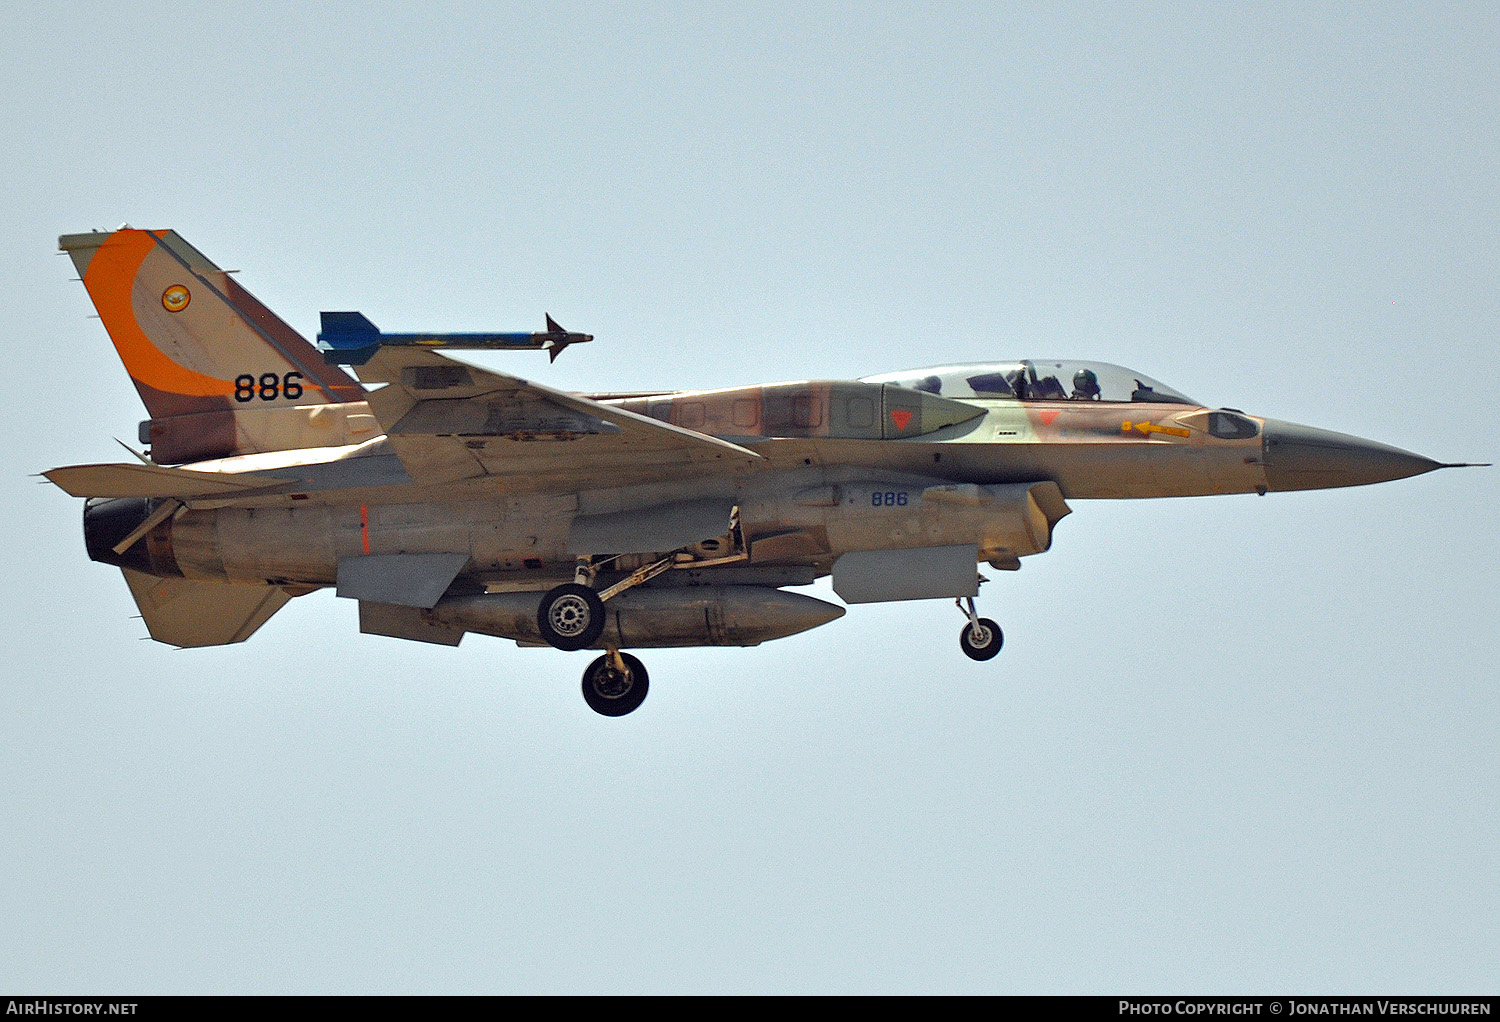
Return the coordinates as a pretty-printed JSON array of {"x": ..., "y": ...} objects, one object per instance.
[{"x": 348, "y": 338}]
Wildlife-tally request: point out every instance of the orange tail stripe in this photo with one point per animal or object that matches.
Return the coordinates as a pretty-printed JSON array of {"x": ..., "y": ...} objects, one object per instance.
[{"x": 110, "y": 281}]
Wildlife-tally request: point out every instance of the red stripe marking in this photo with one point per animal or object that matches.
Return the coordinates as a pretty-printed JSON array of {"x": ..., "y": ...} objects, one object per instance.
[{"x": 364, "y": 527}]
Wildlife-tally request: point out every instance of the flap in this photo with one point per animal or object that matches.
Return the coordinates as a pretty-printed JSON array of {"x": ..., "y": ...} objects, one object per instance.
[
  {"x": 650, "y": 529},
  {"x": 408, "y": 580},
  {"x": 923, "y": 573},
  {"x": 134, "y": 480},
  {"x": 447, "y": 420}
]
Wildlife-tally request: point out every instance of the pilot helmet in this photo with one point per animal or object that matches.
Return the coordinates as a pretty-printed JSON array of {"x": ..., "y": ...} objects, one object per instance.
[{"x": 1085, "y": 382}]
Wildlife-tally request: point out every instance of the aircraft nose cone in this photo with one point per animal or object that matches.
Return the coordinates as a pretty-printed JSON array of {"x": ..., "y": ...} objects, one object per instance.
[{"x": 1304, "y": 458}]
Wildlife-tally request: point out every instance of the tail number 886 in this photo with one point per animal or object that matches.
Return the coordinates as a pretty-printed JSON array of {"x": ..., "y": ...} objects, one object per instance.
[{"x": 267, "y": 387}]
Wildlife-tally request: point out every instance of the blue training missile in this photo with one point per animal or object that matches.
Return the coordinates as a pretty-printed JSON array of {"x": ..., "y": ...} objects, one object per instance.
[{"x": 348, "y": 338}]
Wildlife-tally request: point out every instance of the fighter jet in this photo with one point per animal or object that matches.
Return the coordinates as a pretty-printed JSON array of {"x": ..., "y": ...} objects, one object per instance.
[{"x": 446, "y": 499}]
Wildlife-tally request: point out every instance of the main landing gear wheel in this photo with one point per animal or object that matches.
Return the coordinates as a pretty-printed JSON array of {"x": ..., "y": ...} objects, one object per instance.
[
  {"x": 571, "y": 616},
  {"x": 611, "y": 691},
  {"x": 981, "y": 639}
]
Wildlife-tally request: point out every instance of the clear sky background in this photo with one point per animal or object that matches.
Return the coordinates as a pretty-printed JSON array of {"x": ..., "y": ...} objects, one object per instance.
[{"x": 1233, "y": 744}]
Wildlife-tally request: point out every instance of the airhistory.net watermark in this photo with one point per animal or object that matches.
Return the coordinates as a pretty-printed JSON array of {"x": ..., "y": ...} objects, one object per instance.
[{"x": 42, "y": 1006}]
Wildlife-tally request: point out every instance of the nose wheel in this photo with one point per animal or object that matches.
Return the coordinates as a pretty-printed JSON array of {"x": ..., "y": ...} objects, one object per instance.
[{"x": 981, "y": 638}]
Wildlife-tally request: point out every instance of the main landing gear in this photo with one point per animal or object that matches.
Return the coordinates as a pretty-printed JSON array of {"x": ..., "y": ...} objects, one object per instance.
[
  {"x": 572, "y": 616},
  {"x": 981, "y": 638},
  {"x": 615, "y": 684}
]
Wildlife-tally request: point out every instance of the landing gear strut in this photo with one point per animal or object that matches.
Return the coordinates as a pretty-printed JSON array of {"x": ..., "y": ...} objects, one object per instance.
[
  {"x": 615, "y": 684},
  {"x": 981, "y": 638},
  {"x": 572, "y": 616}
]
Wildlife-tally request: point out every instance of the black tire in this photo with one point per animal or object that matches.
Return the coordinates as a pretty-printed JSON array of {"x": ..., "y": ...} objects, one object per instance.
[
  {"x": 986, "y": 644},
  {"x": 570, "y": 616},
  {"x": 611, "y": 693}
]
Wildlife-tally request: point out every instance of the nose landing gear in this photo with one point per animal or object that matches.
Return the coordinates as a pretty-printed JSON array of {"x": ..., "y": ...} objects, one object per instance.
[{"x": 981, "y": 638}]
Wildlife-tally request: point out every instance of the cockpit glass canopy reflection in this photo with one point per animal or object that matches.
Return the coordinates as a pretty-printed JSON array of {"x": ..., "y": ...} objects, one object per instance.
[{"x": 1029, "y": 380}]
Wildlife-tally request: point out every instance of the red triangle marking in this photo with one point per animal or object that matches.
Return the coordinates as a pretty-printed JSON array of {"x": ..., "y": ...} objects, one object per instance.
[
  {"x": 901, "y": 417},
  {"x": 1047, "y": 417}
]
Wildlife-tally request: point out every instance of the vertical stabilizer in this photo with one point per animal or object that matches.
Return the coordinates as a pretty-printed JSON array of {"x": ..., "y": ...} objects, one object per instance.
[
  {"x": 192, "y": 339},
  {"x": 219, "y": 372}
]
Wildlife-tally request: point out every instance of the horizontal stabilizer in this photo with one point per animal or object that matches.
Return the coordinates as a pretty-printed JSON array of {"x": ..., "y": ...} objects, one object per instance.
[
  {"x": 126, "y": 480},
  {"x": 407, "y": 580},
  {"x": 186, "y": 612}
]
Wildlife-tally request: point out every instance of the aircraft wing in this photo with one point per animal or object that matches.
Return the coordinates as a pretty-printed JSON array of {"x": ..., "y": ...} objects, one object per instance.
[{"x": 447, "y": 420}]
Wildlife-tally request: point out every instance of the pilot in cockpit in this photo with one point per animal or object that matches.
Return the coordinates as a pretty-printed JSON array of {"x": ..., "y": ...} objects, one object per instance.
[
  {"x": 1016, "y": 380},
  {"x": 931, "y": 384},
  {"x": 1085, "y": 386},
  {"x": 1044, "y": 388}
]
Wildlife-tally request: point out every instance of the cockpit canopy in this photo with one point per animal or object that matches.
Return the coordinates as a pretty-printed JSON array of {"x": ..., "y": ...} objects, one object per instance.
[{"x": 1028, "y": 380}]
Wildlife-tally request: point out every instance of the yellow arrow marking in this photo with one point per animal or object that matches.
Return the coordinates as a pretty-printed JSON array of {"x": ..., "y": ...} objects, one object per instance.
[{"x": 1147, "y": 428}]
